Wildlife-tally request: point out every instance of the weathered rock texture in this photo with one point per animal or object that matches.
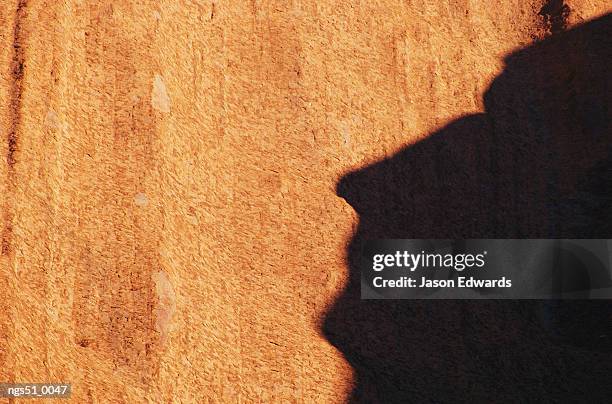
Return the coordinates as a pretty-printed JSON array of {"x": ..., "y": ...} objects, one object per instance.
[{"x": 170, "y": 228}]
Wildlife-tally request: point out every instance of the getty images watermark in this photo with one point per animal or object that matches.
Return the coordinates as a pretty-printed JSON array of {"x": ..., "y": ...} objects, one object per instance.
[{"x": 487, "y": 269}]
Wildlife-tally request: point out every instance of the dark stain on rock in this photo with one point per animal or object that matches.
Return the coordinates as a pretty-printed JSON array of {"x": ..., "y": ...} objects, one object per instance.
[
  {"x": 15, "y": 92},
  {"x": 6, "y": 245},
  {"x": 17, "y": 71},
  {"x": 555, "y": 14}
]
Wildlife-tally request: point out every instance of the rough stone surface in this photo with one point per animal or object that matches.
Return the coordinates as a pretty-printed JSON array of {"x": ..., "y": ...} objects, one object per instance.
[{"x": 170, "y": 228}]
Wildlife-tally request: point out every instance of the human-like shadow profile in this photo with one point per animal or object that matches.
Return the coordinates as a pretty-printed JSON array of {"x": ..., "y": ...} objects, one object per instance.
[{"x": 536, "y": 164}]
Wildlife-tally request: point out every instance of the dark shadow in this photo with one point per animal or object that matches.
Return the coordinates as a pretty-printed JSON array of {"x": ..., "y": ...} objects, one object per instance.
[{"x": 536, "y": 164}]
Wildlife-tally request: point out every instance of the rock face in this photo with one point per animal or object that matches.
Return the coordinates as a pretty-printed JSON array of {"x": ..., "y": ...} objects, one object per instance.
[
  {"x": 536, "y": 163},
  {"x": 171, "y": 227}
]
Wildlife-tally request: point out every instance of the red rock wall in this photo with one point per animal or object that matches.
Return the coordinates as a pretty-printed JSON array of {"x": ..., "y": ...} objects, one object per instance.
[{"x": 170, "y": 224}]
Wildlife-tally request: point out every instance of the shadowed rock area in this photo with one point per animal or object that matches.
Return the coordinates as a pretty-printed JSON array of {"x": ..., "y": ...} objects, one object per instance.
[{"x": 536, "y": 164}]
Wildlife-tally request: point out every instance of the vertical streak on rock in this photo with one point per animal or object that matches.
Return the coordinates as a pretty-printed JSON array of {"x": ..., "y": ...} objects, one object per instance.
[
  {"x": 115, "y": 294},
  {"x": 16, "y": 85},
  {"x": 16, "y": 88},
  {"x": 15, "y": 76}
]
